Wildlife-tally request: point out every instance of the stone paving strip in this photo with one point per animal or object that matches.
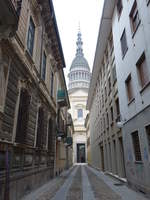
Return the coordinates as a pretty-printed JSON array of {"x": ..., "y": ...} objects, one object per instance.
[
  {"x": 101, "y": 190},
  {"x": 86, "y": 187},
  {"x": 63, "y": 191},
  {"x": 48, "y": 190},
  {"x": 122, "y": 191},
  {"x": 75, "y": 191}
]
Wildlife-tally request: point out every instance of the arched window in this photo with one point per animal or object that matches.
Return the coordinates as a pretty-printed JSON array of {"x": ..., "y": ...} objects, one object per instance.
[{"x": 80, "y": 113}]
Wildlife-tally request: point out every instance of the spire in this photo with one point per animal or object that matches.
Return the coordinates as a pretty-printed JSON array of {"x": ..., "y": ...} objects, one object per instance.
[{"x": 79, "y": 43}]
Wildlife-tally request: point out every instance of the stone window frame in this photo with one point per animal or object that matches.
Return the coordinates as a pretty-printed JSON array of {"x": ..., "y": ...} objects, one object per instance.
[
  {"x": 22, "y": 83},
  {"x": 5, "y": 80},
  {"x": 137, "y": 150},
  {"x": 35, "y": 15}
]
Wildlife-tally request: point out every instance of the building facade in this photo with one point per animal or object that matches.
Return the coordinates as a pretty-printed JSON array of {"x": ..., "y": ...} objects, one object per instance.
[
  {"x": 31, "y": 75},
  {"x": 103, "y": 104},
  {"x": 87, "y": 126},
  {"x": 79, "y": 78},
  {"x": 129, "y": 23},
  {"x": 132, "y": 49}
]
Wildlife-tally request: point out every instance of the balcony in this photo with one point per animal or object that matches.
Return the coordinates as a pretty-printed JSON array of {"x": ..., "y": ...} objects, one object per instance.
[
  {"x": 8, "y": 19},
  {"x": 61, "y": 98},
  {"x": 69, "y": 141}
]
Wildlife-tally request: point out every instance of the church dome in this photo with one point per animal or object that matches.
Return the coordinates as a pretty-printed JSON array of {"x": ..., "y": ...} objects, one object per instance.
[
  {"x": 79, "y": 62},
  {"x": 79, "y": 75}
]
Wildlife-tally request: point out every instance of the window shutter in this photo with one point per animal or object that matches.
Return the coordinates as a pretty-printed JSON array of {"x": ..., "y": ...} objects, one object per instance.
[
  {"x": 50, "y": 134},
  {"x": 40, "y": 129},
  {"x": 23, "y": 116}
]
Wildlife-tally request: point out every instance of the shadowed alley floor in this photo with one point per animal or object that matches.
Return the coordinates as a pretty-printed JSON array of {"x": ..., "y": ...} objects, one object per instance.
[{"x": 84, "y": 183}]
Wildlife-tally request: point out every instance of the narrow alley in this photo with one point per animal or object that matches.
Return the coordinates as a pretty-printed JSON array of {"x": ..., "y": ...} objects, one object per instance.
[{"x": 84, "y": 182}]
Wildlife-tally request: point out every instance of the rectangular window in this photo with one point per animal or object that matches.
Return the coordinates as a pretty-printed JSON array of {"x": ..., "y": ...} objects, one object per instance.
[
  {"x": 52, "y": 84},
  {"x": 129, "y": 88},
  {"x": 143, "y": 70},
  {"x": 134, "y": 17},
  {"x": 123, "y": 41},
  {"x": 43, "y": 71},
  {"x": 107, "y": 120},
  {"x": 31, "y": 33},
  {"x": 109, "y": 84},
  {"x": 119, "y": 7},
  {"x": 105, "y": 93},
  {"x": 80, "y": 113},
  {"x": 117, "y": 109},
  {"x": 148, "y": 136},
  {"x": 114, "y": 74},
  {"x": 23, "y": 116},
  {"x": 112, "y": 115},
  {"x": 50, "y": 135},
  {"x": 136, "y": 146},
  {"x": 40, "y": 128}
]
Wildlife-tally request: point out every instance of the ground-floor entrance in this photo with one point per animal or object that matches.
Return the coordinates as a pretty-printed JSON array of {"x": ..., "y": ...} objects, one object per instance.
[{"x": 81, "y": 158}]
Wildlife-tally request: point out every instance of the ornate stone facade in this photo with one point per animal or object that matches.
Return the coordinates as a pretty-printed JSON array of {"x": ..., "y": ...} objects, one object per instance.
[{"x": 79, "y": 79}]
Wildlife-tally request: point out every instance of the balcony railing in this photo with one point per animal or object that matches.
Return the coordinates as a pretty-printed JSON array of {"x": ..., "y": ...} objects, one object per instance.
[{"x": 61, "y": 98}]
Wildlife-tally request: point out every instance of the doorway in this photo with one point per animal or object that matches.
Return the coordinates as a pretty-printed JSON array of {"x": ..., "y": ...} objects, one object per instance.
[{"x": 81, "y": 153}]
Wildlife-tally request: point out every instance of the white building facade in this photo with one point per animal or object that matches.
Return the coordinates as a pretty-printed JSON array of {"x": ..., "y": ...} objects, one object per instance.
[
  {"x": 79, "y": 78},
  {"x": 130, "y": 25},
  {"x": 131, "y": 31}
]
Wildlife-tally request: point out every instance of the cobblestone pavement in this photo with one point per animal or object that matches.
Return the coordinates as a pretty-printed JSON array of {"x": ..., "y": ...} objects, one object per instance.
[{"x": 84, "y": 183}]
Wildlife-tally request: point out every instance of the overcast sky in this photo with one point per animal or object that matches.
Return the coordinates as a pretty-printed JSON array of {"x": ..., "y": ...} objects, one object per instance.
[{"x": 69, "y": 13}]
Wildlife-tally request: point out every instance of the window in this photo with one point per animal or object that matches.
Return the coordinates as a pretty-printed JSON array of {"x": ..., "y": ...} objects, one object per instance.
[
  {"x": 105, "y": 93},
  {"x": 107, "y": 120},
  {"x": 52, "y": 83},
  {"x": 148, "y": 1},
  {"x": 148, "y": 136},
  {"x": 80, "y": 113},
  {"x": 114, "y": 74},
  {"x": 136, "y": 146},
  {"x": 18, "y": 6},
  {"x": 50, "y": 134},
  {"x": 129, "y": 88},
  {"x": 23, "y": 116},
  {"x": 40, "y": 128},
  {"x": 4, "y": 71},
  {"x": 119, "y": 7},
  {"x": 31, "y": 33},
  {"x": 43, "y": 71},
  {"x": 117, "y": 110},
  {"x": 123, "y": 41},
  {"x": 112, "y": 115},
  {"x": 134, "y": 17},
  {"x": 109, "y": 84},
  {"x": 142, "y": 70}
]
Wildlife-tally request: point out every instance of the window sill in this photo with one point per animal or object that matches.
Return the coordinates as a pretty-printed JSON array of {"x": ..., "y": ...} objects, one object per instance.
[
  {"x": 134, "y": 32},
  {"x": 124, "y": 53},
  {"x": 144, "y": 87},
  {"x": 130, "y": 102},
  {"x": 138, "y": 162}
]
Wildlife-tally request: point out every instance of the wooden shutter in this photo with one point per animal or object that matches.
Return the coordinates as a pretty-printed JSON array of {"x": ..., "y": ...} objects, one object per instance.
[
  {"x": 40, "y": 128},
  {"x": 23, "y": 116},
  {"x": 50, "y": 134}
]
